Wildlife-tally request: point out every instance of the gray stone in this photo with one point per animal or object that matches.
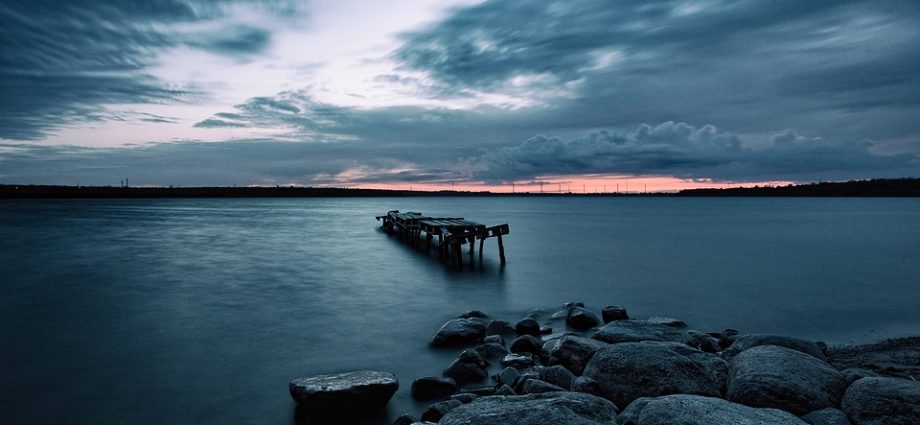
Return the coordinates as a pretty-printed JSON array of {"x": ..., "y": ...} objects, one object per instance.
[
  {"x": 774, "y": 376},
  {"x": 534, "y": 386},
  {"x": 459, "y": 332},
  {"x": 505, "y": 390},
  {"x": 519, "y": 361},
  {"x": 546, "y": 330},
  {"x": 482, "y": 391},
  {"x": 491, "y": 351},
  {"x": 507, "y": 376},
  {"x": 527, "y": 344},
  {"x": 494, "y": 339},
  {"x": 826, "y": 416},
  {"x": 684, "y": 409},
  {"x": 619, "y": 331},
  {"x": 464, "y": 397},
  {"x": 430, "y": 387},
  {"x": 499, "y": 327},
  {"x": 727, "y": 337},
  {"x": 344, "y": 394},
  {"x": 630, "y": 415},
  {"x": 573, "y": 352},
  {"x": 436, "y": 411},
  {"x": 613, "y": 312},
  {"x": 527, "y": 326},
  {"x": 586, "y": 385},
  {"x": 469, "y": 367},
  {"x": 667, "y": 321},
  {"x": 404, "y": 419},
  {"x": 581, "y": 318},
  {"x": 558, "y": 375},
  {"x": 854, "y": 373},
  {"x": 703, "y": 342},
  {"x": 744, "y": 342},
  {"x": 535, "y": 409},
  {"x": 883, "y": 401},
  {"x": 473, "y": 314},
  {"x": 630, "y": 370}
]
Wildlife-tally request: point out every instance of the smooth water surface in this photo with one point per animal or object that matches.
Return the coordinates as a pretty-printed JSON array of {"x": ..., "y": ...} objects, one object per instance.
[{"x": 201, "y": 311}]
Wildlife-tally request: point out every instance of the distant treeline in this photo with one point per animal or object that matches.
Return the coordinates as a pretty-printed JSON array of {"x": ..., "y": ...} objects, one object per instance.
[{"x": 878, "y": 187}]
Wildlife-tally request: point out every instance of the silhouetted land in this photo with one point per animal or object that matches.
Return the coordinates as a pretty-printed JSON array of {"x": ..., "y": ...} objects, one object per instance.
[{"x": 878, "y": 187}]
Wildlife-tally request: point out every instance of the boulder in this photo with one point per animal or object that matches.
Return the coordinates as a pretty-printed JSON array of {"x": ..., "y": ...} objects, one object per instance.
[
  {"x": 629, "y": 370},
  {"x": 464, "y": 397},
  {"x": 630, "y": 415},
  {"x": 493, "y": 339},
  {"x": 535, "y": 409},
  {"x": 896, "y": 358},
  {"x": 744, "y": 342},
  {"x": 854, "y": 373},
  {"x": 586, "y": 385},
  {"x": 727, "y": 337},
  {"x": 436, "y": 411},
  {"x": 344, "y": 394},
  {"x": 883, "y": 401},
  {"x": 546, "y": 330},
  {"x": 430, "y": 387},
  {"x": 473, "y": 314},
  {"x": 491, "y": 351},
  {"x": 685, "y": 409},
  {"x": 404, "y": 419},
  {"x": 581, "y": 318},
  {"x": 826, "y": 416},
  {"x": 505, "y": 390},
  {"x": 703, "y": 342},
  {"x": 527, "y": 326},
  {"x": 774, "y": 376},
  {"x": 613, "y": 312},
  {"x": 527, "y": 344},
  {"x": 558, "y": 375},
  {"x": 499, "y": 327},
  {"x": 534, "y": 386},
  {"x": 519, "y": 361},
  {"x": 469, "y": 367},
  {"x": 619, "y": 331},
  {"x": 573, "y": 352},
  {"x": 667, "y": 321},
  {"x": 458, "y": 333},
  {"x": 506, "y": 376}
]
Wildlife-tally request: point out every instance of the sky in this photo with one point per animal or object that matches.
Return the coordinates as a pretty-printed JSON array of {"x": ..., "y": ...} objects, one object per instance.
[{"x": 585, "y": 95}]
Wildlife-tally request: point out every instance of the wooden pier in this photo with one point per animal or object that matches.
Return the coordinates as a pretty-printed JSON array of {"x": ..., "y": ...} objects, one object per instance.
[{"x": 452, "y": 233}]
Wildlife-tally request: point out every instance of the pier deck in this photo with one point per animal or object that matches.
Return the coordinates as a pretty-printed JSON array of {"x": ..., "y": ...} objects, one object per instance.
[{"x": 452, "y": 233}]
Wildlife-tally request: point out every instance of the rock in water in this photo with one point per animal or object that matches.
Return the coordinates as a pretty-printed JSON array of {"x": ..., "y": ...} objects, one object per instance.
[
  {"x": 687, "y": 409},
  {"x": 527, "y": 344},
  {"x": 573, "y": 352},
  {"x": 558, "y": 375},
  {"x": 533, "y": 386},
  {"x": 436, "y": 411},
  {"x": 470, "y": 367},
  {"x": 499, "y": 327},
  {"x": 431, "y": 387},
  {"x": 774, "y": 376},
  {"x": 581, "y": 318},
  {"x": 528, "y": 326},
  {"x": 404, "y": 419},
  {"x": 613, "y": 312},
  {"x": 744, "y": 342},
  {"x": 459, "y": 332},
  {"x": 344, "y": 394},
  {"x": 534, "y": 409},
  {"x": 639, "y": 330},
  {"x": 883, "y": 401},
  {"x": 629, "y": 370},
  {"x": 828, "y": 416}
]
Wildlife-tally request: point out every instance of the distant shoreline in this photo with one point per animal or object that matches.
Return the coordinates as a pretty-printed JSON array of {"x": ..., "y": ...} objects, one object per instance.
[{"x": 904, "y": 187}]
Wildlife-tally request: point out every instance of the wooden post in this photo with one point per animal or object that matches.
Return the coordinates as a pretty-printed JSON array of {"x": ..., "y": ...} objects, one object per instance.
[
  {"x": 472, "y": 242},
  {"x": 428, "y": 237},
  {"x": 501, "y": 248},
  {"x": 458, "y": 251},
  {"x": 440, "y": 247},
  {"x": 481, "y": 243}
]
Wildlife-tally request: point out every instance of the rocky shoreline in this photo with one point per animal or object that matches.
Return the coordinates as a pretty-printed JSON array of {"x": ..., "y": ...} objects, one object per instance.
[{"x": 611, "y": 369}]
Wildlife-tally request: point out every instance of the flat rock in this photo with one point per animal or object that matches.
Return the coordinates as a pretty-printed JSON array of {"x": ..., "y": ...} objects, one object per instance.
[
  {"x": 614, "y": 312},
  {"x": 430, "y": 387},
  {"x": 572, "y": 352},
  {"x": 774, "y": 376},
  {"x": 685, "y": 409},
  {"x": 639, "y": 330},
  {"x": 627, "y": 371},
  {"x": 535, "y": 409},
  {"x": 744, "y": 342},
  {"x": 344, "y": 394},
  {"x": 826, "y": 416},
  {"x": 581, "y": 318},
  {"x": 459, "y": 332},
  {"x": 883, "y": 401}
]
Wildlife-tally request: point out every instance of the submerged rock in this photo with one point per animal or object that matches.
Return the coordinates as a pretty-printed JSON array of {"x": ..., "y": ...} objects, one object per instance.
[
  {"x": 613, "y": 312},
  {"x": 627, "y": 371},
  {"x": 639, "y": 330},
  {"x": 430, "y": 387},
  {"x": 685, "y": 409},
  {"x": 469, "y": 367},
  {"x": 744, "y": 342},
  {"x": 534, "y": 409},
  {"x": 459, "y": 332},
  {"x": 572, "y": 352},
  {"x": 344, "y": 394},
  {"x": 774, "y": 376},
  {"x": 883, "y": 401}
]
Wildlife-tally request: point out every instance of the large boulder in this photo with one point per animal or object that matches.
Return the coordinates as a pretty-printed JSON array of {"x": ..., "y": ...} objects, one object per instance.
[
  {"x": 491, "y": 350},
  {"x": 344, "y": 394},
  {"x": 573, "y": 352},
  {"x": 630, "y": 414},
  {"x": 774, "y": 376},
  {"x": 744, "y": 342},
  {"x": 685, "y": 409},
  {"x": 527, "y": 344},
  {"x": 619, "y": 331},
  {"x": 627, "y": 371},
  {"x": 469, "y": 367},
  {"x": 430, "y": 387},
  {"x": 499, "y": 327},
  {"x": 459, "y": 332},
  {"x": 558, "y": 375},
  {"x": 883, "y": 401},
  {"x": 581, "y": 318},
  {"x": 614, "y": 312},
  {"x": 527, "y": 326},
  {"x": 534, "y": 409},
  {"x": 826, "y": 416}
]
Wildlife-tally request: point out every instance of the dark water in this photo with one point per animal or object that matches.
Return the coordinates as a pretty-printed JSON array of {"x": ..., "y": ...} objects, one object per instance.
[{"x": 200, "y": 311}]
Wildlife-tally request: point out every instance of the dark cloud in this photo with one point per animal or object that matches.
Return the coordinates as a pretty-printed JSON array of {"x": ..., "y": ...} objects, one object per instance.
[{"x": 236, "y": 40}]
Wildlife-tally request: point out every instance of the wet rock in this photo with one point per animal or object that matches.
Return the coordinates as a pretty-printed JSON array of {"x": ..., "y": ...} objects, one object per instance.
[
  {"x": 527, "y": 326},
  {"x": 630, "y": 415},
  {"x": 883, "y": 401},
  {"x": 613, "y": 312},
  {"x": 893, "y": 357},
  {"x": 571, "y": 305},
  {"x": 499, "y": 327},
  {"x": 687, "y": 409},
  {"x": 473, "y": 314},
  {"x": 507, "y": 376},
  {"x": 727, "y": 337},
  {"x": 436, "y": 411},
  {"x": 586, "y": 385},
  {"x": 469, "y": 367},
  {"x": 464, "y": 397},
  {"x": 494, "y": 339},
  {"x": 430, "y": 387},
  {"x": 546, "y": 330},
  {"x": 519, "y": 361},
  {"x": 667, "y": 321},
  {"x": 854, "y": 373},
  {"x": 573, "y": 352},
  {"x": 505, "y": 390},
  {"x": 491, "y": 351},
  {"x": 482, "y": 391},
  {"x": 827, "y": 416},
  {"x": 558, "y": 375},
  {"x": 639, "y": 330},
  {"x": 581, "y": 318},
  {"x": 404, "y": 419},
  {"x": 344, "y": 394},
  {"x": 535, "y": 409},
  {"x": 459, "y": 332},
  {"x": 534, "y": 386},
  {"x": 630, "y": 370},
  {"x": 744, "y": 342},
  {"x": 703, "y": 342},
  {"x": 774, "y": 376},
  {"x": 527, "y": 344}
]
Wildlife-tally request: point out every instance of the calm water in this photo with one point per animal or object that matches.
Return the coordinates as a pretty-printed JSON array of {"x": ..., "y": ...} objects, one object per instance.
[{"x": 200, "y": 311}]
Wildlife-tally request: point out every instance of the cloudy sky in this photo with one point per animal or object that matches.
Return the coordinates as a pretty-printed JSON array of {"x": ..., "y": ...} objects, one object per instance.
[{"x": 429, "y": 93}]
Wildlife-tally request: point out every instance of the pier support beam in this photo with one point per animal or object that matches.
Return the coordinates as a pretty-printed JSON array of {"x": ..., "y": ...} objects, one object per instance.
[{"x": 501, "y": 248}]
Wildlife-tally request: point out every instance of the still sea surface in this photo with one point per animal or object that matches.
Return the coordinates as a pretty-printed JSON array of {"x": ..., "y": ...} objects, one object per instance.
[{"x": 200, "y": 311}]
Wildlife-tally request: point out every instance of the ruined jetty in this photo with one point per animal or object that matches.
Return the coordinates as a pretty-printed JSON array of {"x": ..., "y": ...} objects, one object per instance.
[{"x": 452, "y": 233}]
